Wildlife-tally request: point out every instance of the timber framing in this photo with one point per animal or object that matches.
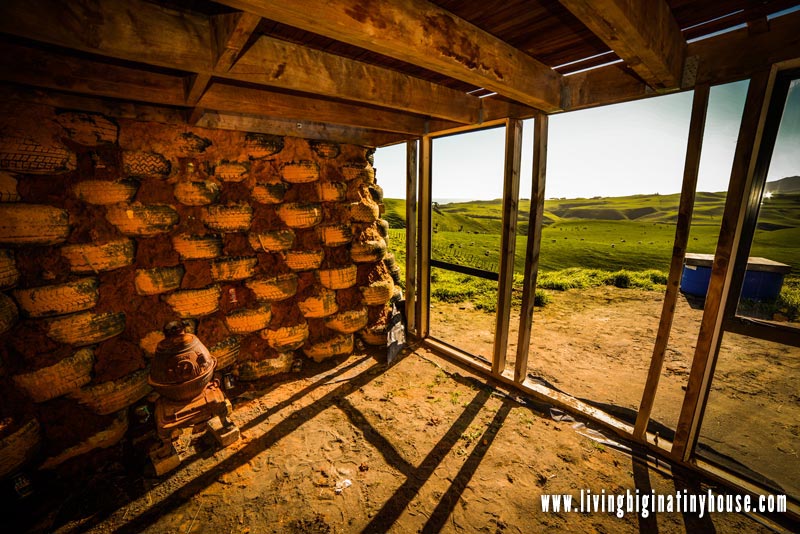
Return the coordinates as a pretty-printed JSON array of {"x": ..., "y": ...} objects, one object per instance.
[
  {"x": 729, "y": 57},
  {"x": 710, "y": 336},
  {"x": 145, "y": 33},
  {"x": 424, "y": 34},
  {"x": 412, "y": 179},
  {"x": 691, "y": 169},
  {"x": 225, "y": 64},
  {"x": 644, "y": 34},
  {"x": 511, "y": 170},
  {"x": 422, "y": 303},
  {"x": 533, "y": 246},
  {"x": 410, "y": 71},
  {"x": 63, "y": 72},
  {"x": 744, "y": 195}
]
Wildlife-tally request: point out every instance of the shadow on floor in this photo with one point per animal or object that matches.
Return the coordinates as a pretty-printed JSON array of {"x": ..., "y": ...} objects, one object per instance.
[
  {"x": 111, "y": 479},
  {"x": 104, "y": 497},
  {"x": 104, "y": 493}
]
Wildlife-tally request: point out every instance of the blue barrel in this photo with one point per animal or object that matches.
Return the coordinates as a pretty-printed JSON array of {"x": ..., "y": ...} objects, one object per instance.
[
  {"x": 763, "y": 279},
  {"x": 695, "y": 279},
  {"x": 762, "y": 285}
]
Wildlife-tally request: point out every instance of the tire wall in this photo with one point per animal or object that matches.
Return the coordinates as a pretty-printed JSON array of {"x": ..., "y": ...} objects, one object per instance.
[{"x": 109, "y": 228}]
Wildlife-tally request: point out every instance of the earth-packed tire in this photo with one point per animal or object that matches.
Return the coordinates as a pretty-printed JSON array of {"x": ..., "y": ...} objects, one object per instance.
[
  {"x": 63, "y": 377},
  {"x": 61, "y": 299},
  {"x": 273, "y": 288}
]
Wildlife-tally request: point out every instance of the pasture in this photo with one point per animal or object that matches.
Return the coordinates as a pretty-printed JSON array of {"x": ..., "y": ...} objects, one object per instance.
[{"x": 593, "y": 240}]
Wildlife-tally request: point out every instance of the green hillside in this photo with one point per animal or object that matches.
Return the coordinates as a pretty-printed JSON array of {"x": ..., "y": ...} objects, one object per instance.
[
  {"x": 484, "y": 216},
  {"x": 788, "y": 185},
  {"x": 633, "y": 232}
]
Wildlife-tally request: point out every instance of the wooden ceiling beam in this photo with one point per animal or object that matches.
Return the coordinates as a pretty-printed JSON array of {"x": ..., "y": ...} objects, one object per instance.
[
  {"x": 230, "y": 33},
  {"x": 135, "y": 31},
  {"x": 724, "y": 58},
  {"x": 143, "y": 32},
  {"x": 281, "y": 64},
  {"x": 643, "y": 33},
  {"x": 494, "y": 108},
  {"x": 737, "y": 54},
  {"x": 253, "y": 101},
  {"x": 10, "y": 94},
  {"x": 298, "y": 128},
  {"x": 423, "y": 34},
  {"x": 604, "y": 85},
  {"x": 53, "y": 70}
]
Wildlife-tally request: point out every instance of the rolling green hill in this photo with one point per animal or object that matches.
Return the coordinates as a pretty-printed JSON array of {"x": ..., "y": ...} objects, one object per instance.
[
  {"x": 633, "y": 232},
  {"x": 622, "y": 241},
  {"x": 781, "y": 210},
  {"x": 790, "y": 184},
  {"x": 485, "y": 216}
]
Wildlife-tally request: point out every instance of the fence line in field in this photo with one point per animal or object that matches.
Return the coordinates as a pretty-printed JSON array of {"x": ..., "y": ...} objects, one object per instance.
[{"x": 454, "y": 254}]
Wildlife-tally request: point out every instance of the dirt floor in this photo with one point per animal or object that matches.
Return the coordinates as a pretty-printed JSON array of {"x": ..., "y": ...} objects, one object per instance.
[
  {"x": 596, "y": 344},
  {"x": 354, "y": 446}
]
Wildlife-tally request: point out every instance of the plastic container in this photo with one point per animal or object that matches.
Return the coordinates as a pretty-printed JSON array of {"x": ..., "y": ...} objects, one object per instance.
[{"x": 762, "y": 280}]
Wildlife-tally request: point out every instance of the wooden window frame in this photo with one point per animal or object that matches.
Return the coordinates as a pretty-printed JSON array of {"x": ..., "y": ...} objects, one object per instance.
[
  {"x": 747, "y": 181},
  {"x": 511, "y": 178},
  {"x": 734, "y": 322}
]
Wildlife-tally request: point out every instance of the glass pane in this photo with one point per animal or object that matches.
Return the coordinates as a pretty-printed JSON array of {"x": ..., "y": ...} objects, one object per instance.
[
  {"x": 523, "y": 227},
  {"x": 462, "y": 311},
  {"x": 390, "y": 167},
  {"x": 771, "y": 288},
  {"x": 467, "y": 190},
  {"x": 752, "y": 420},
  {"x": 613, "y": 181},
  {"x": 725, "y": 107}
]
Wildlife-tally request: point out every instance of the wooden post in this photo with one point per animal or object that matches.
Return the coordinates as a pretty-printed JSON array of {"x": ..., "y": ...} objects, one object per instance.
[
  {"x": 411, "y": 234},
  {"x": 710, "y": 336},
  {"x": 691, "y": 169},
  {"x": 533, "y": 246},
  {"x": 508, "y": 241},
  {"x": 754, "y": 197},
  {"x": 423, "y": 302}
]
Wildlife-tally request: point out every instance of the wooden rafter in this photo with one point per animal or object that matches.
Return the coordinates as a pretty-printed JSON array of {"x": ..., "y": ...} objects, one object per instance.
[
  {"x": 644, "y": 34},
  {"x": 229, "y": 35},
  {"x": 52, "y": 70},
  {"x": 143, "y": 32},
  {"x": 281, "y": 64},
  {"x": 196, "y": 85},
  {"x": 302, "y": 128},
  {"x": 423, "y": 34},
  {"x": 724, "y": 58},
  {"x": 260, "y": 102}
]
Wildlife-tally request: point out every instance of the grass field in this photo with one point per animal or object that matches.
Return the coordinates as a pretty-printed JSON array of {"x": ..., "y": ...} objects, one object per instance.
[{"x": 623, "y": 241}]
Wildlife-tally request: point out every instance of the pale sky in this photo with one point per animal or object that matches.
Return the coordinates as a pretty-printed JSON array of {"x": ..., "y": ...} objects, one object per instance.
[{"x": 632, "y": 148}]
